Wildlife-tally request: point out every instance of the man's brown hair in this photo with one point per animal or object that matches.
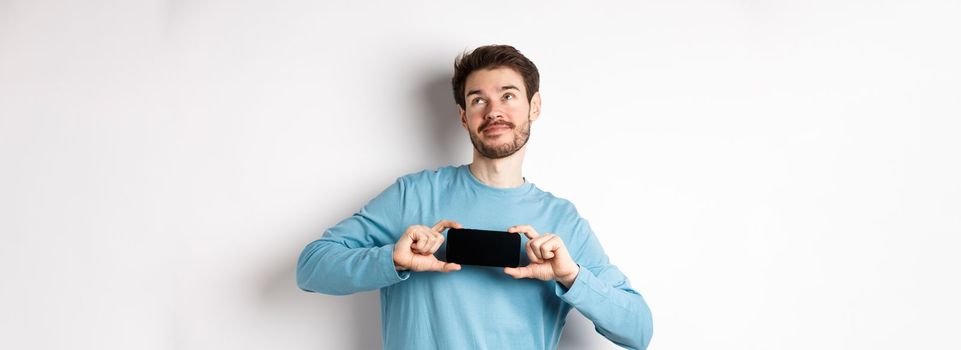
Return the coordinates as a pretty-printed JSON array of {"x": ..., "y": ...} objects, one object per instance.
[{"x": 490, "y": 57}]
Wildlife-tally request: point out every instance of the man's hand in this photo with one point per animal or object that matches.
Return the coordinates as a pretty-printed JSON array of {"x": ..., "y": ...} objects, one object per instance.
[
  {"x": 415, "y": 249},
  {"x": 549, "y": 258}
]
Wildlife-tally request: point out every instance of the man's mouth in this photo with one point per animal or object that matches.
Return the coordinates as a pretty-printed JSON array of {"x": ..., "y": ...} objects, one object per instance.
[{"x": 496, "y": 128}]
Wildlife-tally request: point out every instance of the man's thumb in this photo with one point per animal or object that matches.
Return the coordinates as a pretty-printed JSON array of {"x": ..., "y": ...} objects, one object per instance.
[{"x": 518, "y": 272}]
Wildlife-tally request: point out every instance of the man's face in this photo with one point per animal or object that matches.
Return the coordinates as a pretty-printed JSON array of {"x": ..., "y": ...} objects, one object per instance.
[{"x": 497, "y": 114}]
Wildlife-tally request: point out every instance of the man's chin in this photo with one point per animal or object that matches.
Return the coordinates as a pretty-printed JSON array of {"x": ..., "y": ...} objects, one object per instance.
[
  {"x": 496, "y": 155},
  {"x": 499, "y": 147},
  {"x": 496, "y": 146},
  {"x": 497, "y": 152}
]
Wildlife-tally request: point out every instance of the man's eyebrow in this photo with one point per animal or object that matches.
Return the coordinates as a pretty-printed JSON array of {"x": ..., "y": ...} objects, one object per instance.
[{"x": 505, "y": 87}]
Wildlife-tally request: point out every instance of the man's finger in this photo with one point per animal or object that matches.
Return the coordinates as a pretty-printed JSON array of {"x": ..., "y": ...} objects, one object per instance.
[
  {"x": 536, "y": 247},
  {"x": 527, "y": 230},
  {"x": 530, "y": 253},
  {"x": 407, "y": 239},
  {"x": 441, "y": 266},
  {"x": 549, "y": 246},
  {"x": 438, "y": 240},
  {"x": 560, "y": 250},
  {"x": 421, "y": 241},
  {"x": 430, "y": 238},
  {"x": 433, "y": 243},
  {"x": 416, "y": 240},
  {"x": 518, "y": 272},
  {"x": 444, "y": 224},
  {"x": 449, "y": 267}
]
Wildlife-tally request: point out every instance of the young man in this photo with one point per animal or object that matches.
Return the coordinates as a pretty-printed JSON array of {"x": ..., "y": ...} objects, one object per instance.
[{"x": 427, "y": 303}]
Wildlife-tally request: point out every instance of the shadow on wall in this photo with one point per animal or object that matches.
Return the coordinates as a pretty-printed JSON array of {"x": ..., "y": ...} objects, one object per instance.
[
  {"x": 439, "y": 112},
  {"x": 353, "y": 321}
]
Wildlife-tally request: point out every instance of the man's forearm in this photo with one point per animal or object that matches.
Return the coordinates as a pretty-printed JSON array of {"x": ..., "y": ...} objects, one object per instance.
[
  {"x": 622, "y": 316},
  {"x": 330, "y": 267}
]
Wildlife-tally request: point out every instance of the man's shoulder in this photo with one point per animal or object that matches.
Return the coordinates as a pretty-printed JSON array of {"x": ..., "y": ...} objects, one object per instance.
[
  {"x": 428, "y": 176},
  {"x": 560, "y": 203}
]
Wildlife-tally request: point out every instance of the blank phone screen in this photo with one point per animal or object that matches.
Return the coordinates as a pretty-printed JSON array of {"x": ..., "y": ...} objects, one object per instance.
[{"x": 484, "y": 248}]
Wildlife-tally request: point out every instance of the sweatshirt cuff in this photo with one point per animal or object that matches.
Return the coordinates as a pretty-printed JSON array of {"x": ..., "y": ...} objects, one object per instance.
[
  {"x": 391, "y": 275},
  {"x": 586, "y": 288}
]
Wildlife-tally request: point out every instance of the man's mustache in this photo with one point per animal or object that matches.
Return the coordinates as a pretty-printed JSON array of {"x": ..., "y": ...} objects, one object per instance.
[{"x": 488, "y": 124}]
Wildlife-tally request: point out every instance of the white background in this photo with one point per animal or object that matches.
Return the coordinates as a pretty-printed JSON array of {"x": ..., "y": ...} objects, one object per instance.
[{"x": 769, "y": 174}]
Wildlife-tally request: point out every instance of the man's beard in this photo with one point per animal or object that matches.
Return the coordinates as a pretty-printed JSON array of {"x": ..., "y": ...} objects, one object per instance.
[{"x": 521, "y": 135}]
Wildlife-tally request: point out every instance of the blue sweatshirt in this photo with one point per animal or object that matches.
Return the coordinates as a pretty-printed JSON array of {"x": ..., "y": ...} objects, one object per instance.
[{"x": 476, "y": 307}]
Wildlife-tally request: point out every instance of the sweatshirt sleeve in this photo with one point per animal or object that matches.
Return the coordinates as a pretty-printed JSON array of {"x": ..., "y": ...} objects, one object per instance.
[
  {"x": 604, "y": 295},
  {"x": 356, "y": 255}
]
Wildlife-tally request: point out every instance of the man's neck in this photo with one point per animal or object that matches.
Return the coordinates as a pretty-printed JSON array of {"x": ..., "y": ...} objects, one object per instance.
[{"x": 499, "y": 173}]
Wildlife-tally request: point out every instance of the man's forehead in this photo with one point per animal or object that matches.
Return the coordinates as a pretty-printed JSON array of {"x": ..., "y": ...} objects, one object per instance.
[{"x": 497, "y": 79}]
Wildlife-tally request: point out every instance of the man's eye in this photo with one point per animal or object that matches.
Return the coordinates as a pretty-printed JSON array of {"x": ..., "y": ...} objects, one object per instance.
[
  {"x": 509, "y": 96},
  {"x": 477, "y": 101}
]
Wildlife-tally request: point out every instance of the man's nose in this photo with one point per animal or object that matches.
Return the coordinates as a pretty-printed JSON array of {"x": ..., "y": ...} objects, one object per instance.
[{"x": 493, "y": 112}]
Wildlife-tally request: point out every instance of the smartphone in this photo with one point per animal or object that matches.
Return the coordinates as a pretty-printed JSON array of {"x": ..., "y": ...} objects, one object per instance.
[{"x": 485, "y": 248}]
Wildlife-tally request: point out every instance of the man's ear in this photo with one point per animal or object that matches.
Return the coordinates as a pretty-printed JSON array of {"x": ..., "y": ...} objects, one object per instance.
[
  {"x": 463, "y": 117},
  {"x": 535, "y": 106}
]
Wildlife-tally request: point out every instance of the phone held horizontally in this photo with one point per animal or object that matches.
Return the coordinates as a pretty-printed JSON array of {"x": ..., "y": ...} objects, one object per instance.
[{"x": 483, "y": 247}]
